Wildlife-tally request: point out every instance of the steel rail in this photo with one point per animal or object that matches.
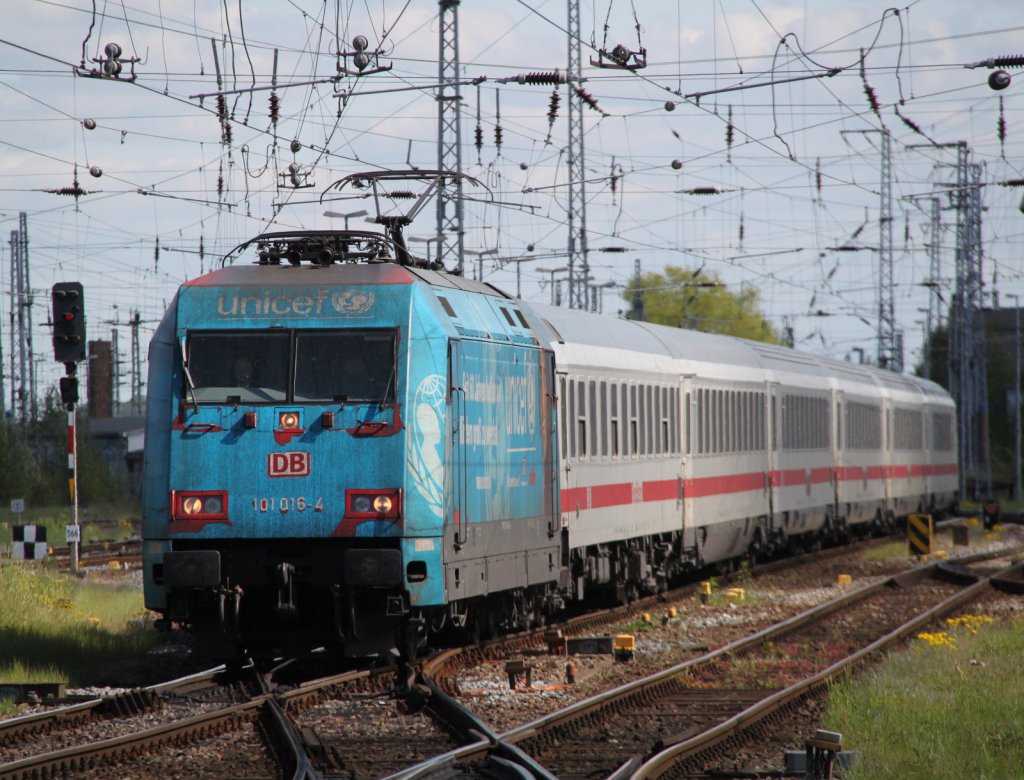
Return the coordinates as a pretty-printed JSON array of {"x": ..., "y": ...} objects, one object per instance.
[
  {"x": 52, "y": 764},
  {"x": 586, "y": 707},
  {"x": 672, "y": 755},
  {"x": 72, "y": 714}
]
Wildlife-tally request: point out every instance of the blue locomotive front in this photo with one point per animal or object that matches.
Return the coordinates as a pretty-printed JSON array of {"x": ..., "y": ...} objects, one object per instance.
[{"x": 332, "y": 461}]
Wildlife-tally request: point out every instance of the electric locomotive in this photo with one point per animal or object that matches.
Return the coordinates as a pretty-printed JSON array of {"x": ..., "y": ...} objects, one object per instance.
[{"x": 346, "y": 448}]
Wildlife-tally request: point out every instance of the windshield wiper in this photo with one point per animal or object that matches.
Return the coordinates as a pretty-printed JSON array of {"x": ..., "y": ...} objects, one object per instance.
[{"x": 189, "y": 384}]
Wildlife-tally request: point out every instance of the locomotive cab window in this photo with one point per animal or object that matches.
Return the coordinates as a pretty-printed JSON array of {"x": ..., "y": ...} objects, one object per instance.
[{"x": 298, "y": 366}]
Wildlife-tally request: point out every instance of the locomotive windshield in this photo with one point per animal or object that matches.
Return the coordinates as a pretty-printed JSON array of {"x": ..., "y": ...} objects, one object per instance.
[{"x": 231, "y": 367}]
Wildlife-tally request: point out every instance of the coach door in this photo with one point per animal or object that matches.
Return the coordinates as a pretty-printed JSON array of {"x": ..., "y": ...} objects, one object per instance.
[
  {"x": 773, "y": 476},
  {"x": 458, "y": 467},
  {"x": 683, "y": 425},
  {"x": 838, "y": 461}
]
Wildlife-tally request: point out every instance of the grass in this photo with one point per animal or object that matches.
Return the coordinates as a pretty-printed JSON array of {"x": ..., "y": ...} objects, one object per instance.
[
  {"x": 949, "y": 708},
  {"x": 56, "y": 628},
  {"x": 100, "y": 523},
  {"x": 887, "y": 551}
]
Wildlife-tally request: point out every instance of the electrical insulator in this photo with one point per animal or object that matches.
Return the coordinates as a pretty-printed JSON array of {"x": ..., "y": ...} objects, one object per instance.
[
  {"x": 275, "y": 107},
  {"x": 359, "y": 43},
  {"x": 670, "y": 106},
  {"x": 497, "y": 135},
  {"x": 587, "y": 98},
  {"x": 361, "y": 60},
  {"x": 96, "y": 171},
  {"x": 479, "y": 135},
  {"x": 296, "y": 147},
  {"x": 677, "y": 164},
  {"x": 553, "y": 104},
  {"x": 89, "y": 124},
  {"x": 549, "y": 77}
]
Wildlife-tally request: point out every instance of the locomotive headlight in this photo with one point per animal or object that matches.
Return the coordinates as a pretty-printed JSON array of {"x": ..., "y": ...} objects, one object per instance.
[
  {"x": 288, "y": 420},
  {"x": 205, "y": 504},
  {"x": 373, "y": 504}
]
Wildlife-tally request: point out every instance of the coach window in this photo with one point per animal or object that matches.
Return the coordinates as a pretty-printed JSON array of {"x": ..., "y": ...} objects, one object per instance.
[
  {"x": 720, "y": 421},
  {"x": 775, "y": 422},
  {"x": 592, "y": 419},
  {"x": 584, "y": 411},
  {"x": 641, "y": 419},
  {"x": 733, "y": 443},
  {"x": 656, "y": 423},
  {"x": 634, "y": 427},
  {"x": 603, "y": 396},
  {"x": 839, "y": 427},
  {"x": 674, "y": 420},
  {"x": 572, "y": 418},
  {"x": 686, "y": 424},
  {"x": 614, "y": 400},
  {"x": 712, "y": 440},
  {"x": 563, "y": 415},
  {"x": 625, "y": 412}
]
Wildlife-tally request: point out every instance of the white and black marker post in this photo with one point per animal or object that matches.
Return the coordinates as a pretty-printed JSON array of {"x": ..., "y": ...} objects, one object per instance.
[{"x": 69, "y": 349}]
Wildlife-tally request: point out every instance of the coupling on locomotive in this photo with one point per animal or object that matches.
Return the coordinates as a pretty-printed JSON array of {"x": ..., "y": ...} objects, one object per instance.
[{"x": 347, "y": 448}]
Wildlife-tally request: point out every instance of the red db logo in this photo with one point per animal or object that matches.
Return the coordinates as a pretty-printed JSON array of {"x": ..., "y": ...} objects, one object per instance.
[{"x": 288, "y": 464}]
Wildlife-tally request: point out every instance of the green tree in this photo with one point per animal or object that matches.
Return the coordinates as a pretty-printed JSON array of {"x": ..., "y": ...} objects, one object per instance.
[{"x": 698, "y": 300}]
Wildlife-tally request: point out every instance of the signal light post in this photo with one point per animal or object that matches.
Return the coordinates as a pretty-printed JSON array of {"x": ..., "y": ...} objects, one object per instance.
[{"x": 69, "y": 348}]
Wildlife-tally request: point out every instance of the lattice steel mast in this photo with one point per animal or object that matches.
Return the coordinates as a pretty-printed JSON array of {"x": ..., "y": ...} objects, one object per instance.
[
  {"x": 449, "y": 134},
  {"x": 968, "y": 368},
  {"x": 579, "y": 269}
]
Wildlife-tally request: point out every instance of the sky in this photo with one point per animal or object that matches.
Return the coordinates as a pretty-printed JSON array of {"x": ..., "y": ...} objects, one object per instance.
[{"x": 792, "y": 161}]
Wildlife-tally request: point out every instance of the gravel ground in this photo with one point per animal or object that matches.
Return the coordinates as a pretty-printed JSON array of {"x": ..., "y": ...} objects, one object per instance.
[{"x": 696, "y": 628}]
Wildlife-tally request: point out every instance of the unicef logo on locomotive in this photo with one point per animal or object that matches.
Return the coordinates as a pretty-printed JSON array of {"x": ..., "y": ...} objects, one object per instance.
[
  {"x": 348, "y": 303},
  {"x": 425, "y": 444},
  {"x": 352, "y": 302}
]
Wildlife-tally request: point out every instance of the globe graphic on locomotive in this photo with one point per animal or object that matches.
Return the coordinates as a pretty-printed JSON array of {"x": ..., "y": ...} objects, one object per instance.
[{"x": 425, "y": 442}]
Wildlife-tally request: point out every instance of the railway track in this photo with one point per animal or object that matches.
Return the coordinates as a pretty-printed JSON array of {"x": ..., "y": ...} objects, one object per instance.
[
  {"x": 670, "y": 724},
  {"x": 219, "y": 730}
]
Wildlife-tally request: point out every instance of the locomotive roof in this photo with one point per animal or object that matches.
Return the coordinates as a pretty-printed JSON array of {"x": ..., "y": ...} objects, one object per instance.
[{"x": 260, "y": 275}]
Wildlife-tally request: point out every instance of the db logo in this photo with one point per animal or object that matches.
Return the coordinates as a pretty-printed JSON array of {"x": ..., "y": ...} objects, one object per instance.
[{"x": 288, "y": 464}]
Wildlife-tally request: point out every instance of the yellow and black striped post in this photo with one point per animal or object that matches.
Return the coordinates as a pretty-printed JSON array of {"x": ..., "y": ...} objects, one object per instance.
[{"x": 919, "y": 534}]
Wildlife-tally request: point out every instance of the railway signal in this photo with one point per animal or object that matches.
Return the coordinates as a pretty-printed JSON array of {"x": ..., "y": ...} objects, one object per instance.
[
  {"x": 68, "y": 322},
  {"x": 69, "y": 349}
]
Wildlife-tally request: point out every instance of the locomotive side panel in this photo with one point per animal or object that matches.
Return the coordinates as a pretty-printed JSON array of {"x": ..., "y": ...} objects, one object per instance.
[{"x": 501, "y": 530}]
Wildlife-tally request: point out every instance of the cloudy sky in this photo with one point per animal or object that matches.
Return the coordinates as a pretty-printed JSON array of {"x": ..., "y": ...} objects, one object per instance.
[{"x": 793, "y": 161}]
